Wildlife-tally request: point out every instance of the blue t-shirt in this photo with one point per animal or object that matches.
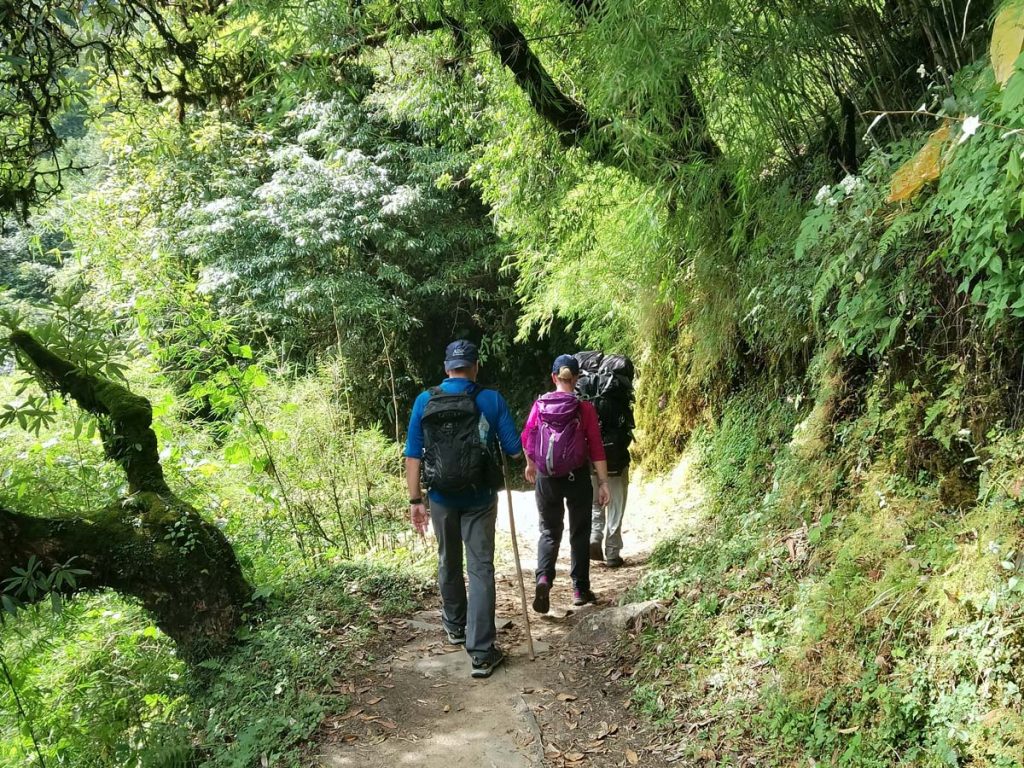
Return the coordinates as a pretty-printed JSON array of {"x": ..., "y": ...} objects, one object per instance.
[{"x": 494, "y": 410}]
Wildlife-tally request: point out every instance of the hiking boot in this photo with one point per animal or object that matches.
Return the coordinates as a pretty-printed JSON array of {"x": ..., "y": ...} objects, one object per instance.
[
  {"x": 596, "y": 551},
  {"x": 485, "y": 666},
  {"x": 614, "y": 562},
  {"x": 583, "y": 596},
  {"x": 541, "y": 600},
  {"x": 456, "y": 636}
]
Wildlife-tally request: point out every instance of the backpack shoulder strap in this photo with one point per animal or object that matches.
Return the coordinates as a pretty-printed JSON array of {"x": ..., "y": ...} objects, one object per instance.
[{"x": 477, "y": 389}]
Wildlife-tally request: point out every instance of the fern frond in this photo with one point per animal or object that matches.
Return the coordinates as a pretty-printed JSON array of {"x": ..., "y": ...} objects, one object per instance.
[
  {"x": 908, "y": 225},
  {"x": 830, "y": 277}
]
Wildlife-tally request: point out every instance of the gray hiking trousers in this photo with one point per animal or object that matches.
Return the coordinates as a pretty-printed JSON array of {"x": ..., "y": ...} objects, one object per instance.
[
  {"x": 607, "y": 529},
  {"x": 471, "y": 528}
]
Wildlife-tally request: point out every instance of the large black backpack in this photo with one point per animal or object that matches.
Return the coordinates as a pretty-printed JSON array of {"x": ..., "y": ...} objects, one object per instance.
[
  {"x": 607, "y": 382},
  {"x": 455, "y": 458}
]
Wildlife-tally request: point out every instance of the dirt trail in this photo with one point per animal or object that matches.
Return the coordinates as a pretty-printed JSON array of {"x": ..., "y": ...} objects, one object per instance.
[{"x": 568, "y": 708}]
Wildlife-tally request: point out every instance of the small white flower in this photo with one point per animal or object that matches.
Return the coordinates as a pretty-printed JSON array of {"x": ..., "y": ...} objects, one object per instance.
[
  {"x": 922, "y": 108},
  {"x": 220, "y": 205},
  {"x": 823, "y": 194},
  {"x": 212, "y": 279},
  {"x": 851, "y": 184},
  {"x": 970, "y": 127},
  {"x": 401, "y": 199},
  {"x": 922, "y": 71}
]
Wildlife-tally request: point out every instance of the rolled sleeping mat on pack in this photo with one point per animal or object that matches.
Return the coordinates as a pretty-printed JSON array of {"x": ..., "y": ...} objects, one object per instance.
[
  {"x": 617, "y": 364},
  {"x": 589, "y": 362}
]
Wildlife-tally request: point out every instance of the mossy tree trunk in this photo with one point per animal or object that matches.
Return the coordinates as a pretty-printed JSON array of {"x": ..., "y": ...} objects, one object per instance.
[{"x": 151, "y": 546}]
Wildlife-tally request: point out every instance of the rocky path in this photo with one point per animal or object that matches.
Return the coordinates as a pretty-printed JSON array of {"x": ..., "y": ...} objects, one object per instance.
[{"x": 570, "y": 707}]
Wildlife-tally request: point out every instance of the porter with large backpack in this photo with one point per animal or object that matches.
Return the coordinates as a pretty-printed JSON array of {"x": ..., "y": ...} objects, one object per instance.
[{"x": 607, "y": 382}]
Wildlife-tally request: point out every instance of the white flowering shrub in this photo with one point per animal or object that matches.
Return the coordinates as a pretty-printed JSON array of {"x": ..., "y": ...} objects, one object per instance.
[
  {"x": 328, "y": 227},
  {"x": 334, "y": 228}
]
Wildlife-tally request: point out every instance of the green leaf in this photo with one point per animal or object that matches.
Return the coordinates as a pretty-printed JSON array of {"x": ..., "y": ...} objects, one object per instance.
[
  {"x": 66, "y": 18},
  {"x": 1013, "y": 95},
  {"x": 237, "y": 452},
  {"x": 262, "y": 592},
  {"x": 13, "y": 60},
  {"x": 1013, "y": 165}
]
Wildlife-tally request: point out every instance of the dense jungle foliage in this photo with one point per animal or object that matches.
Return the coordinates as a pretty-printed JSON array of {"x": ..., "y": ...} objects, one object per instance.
[{"x": 802, "y": 219}]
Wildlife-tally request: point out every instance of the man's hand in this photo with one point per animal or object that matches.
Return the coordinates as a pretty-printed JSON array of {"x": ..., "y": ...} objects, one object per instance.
[
  {"x": 603, "y": 497},
  {"x": 417, "y": 512},
  {"x": 420, "y": 518}
]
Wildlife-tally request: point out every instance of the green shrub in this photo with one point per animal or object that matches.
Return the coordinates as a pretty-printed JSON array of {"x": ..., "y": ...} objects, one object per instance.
[{"x": 103, "y": 687}]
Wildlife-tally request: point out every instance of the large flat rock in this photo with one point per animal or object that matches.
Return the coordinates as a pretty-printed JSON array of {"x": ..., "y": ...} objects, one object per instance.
[{"x": 606, "y": 626}]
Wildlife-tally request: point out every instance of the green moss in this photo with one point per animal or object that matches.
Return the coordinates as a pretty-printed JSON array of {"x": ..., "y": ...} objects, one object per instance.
[{"x": 833, "y": 601}]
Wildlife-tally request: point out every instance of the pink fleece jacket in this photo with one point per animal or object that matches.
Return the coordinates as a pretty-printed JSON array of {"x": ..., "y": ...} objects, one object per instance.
[{"x": 591, "y": 430}]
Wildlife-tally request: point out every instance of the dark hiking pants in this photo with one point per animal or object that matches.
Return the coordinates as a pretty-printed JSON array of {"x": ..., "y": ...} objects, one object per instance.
[
  {"x": 554, "y": 494},
  {"x": 472, "y": 528}
]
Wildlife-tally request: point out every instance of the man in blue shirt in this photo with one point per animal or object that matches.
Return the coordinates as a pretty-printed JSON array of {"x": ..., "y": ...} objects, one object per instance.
[{"x": 466, "y": 518}]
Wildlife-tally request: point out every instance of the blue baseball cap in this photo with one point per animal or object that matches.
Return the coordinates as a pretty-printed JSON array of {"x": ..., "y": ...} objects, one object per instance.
[
  {"x": 566, "y": 361},
  {"x": 460, "y": 354}
]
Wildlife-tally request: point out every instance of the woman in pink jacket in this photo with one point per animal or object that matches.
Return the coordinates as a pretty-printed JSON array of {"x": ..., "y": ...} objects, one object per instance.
[{"x": 561, "y": 438}]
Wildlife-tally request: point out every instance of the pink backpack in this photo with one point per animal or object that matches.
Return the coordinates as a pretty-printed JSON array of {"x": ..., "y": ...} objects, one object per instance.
[{"x": 560, "y": 446}]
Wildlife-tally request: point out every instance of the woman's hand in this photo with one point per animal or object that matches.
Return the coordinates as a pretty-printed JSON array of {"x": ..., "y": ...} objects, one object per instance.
[{"x": 530, "y": 473}]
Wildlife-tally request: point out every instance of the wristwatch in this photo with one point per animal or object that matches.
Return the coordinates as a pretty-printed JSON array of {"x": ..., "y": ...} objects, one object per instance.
[{"x": 417, "y": 500}]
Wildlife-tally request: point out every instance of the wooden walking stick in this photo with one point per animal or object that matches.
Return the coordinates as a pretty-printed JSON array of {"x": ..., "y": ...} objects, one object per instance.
[{"x": 515, "y": 552}]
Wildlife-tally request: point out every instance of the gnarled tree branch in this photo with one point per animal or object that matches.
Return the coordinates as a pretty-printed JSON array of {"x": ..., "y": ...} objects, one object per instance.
[
  {"x": 575, "y": 126},
  {"x": 161, "y": 552},
  {"x": 125, "y": 419},
  {"x": 568, "y": 117},
  {"x": 152, "y": 546}
]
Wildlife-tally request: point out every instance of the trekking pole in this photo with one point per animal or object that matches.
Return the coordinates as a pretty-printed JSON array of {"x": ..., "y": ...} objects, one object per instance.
[{"x": 515, "y": 553}]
